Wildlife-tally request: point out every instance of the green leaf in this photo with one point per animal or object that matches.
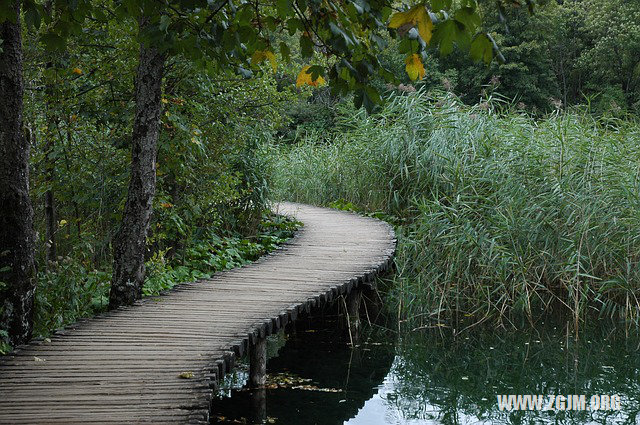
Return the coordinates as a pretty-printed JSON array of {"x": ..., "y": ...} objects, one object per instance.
[
  {"x": 284, "y": 8},
  {"x": 294, "y": 25},
  {"x": 496, "y": 50},
  {"x": 336, "y": 30},
  {"x": 53, "y": 42},
  {"x": 387, "y": 75},
  {"x": 31, "y": 16},
  {"x": 408, "y": 46},
  {"x": 316, "y": 71},
  {"x": 373, "y": 94},
  {"x": 133, "y": 7},
  {"x": 247, "y": 34},
  {"x": 245, "y": 15},
  {"x": 271, "y": 22},
  {"x": 438, "y": 5},
  {"x": 482, "y": 48},
  {"x": 99, "y": 15},
  {"x": 285, "y": 52},
  {"x": 469, "y": 17},
  {"x": 164, "y": 23},
  {"x": 306, "y": 46},
  {"x": 7, "y": 12},
  {"x": 449, "y": 32}
]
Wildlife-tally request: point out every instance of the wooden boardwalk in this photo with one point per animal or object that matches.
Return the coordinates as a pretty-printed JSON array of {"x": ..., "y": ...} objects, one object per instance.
[{"x": 124, "y": 366}]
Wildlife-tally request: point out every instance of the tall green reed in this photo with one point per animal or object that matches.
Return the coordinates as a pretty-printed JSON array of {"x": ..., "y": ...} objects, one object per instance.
[{"x": 501, "y": 217}]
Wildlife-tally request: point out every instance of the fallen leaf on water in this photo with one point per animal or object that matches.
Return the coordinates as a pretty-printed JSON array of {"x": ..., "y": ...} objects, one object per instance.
[
  {"x": 38, "y": 359},
  {"x": 314, "y": 388}
]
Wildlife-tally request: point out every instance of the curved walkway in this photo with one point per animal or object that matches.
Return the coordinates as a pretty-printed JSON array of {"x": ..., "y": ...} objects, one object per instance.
[{"x": 126, "y": 365}]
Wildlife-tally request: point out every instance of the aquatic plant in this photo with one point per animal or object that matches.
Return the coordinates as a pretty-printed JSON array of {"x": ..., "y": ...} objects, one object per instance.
[{"x": 500, "y": 216}]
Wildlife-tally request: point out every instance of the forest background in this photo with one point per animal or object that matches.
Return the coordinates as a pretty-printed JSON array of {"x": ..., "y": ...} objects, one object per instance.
[{"x": 219, "y": 132}]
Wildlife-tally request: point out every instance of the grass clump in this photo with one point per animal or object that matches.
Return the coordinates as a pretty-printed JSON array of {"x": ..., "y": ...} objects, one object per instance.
[{"x": 500, "y": 216}]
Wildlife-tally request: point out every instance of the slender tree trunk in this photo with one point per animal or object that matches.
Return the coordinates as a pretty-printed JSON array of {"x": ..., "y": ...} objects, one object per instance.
[
  {"x": 17, "y": 238},
  {"x": 67, "y": 160},
  {"x": 130, "y": 242},
  {"x": 49, "y": 203},
  {"x": 49, "y": 171}
]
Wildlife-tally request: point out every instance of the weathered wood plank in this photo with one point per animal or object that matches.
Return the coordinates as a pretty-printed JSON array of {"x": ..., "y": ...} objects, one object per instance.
[{"x": 124, "y": 365}]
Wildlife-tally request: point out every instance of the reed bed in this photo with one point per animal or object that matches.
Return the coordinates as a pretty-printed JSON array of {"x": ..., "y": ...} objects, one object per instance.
[{"x": 501, "y": 217}]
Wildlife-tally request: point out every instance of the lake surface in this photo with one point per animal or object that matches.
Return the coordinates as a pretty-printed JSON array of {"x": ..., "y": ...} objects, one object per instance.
[{"x": 431, "y": 378}]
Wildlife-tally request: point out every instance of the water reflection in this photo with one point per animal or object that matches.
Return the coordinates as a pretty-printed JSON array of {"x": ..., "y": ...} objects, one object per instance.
[
  {"x": 435, "y": 379},
  {"x": 315, "y": 379},
  {"x": 460, "y": 378}
]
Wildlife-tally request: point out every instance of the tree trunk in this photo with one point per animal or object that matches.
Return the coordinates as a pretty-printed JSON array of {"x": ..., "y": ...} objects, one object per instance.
[
  {"x": 17, "y": 237},
  {"x": 49, "y": 203},
  {"x": 49, "y": 171},
  {"x": 130, "y": 242}
]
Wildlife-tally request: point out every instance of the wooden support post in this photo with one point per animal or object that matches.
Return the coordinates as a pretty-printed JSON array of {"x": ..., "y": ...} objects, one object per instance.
[
  {"x": 352, "y": 307},
  {"x": 258, "y": 379},
  {"x": 258, "y": 406},
  {"x": 258, "y": 363}
]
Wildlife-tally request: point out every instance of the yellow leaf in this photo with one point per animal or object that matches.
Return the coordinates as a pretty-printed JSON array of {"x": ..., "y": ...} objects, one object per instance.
[
  {"x": 418, "y": 17},
  {"x": 414, "y": 67},
  {"x": 272, "y": 60},
  {"x": 62, "y": 222},
  {"x": 425, "y": 28},
  {"x": 77, "y": 71},
  {"x": 164, "y": 100},
  {"x": 186, "y": 375},
  {"x": 305, "y": 78},
  {"x": 260, "y": 55},
  {"x": 257, "y": 57}
]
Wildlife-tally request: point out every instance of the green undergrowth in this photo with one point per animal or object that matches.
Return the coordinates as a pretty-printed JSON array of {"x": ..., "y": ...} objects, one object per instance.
[
  {"x": 71, "y": 290},
  {"x": 501, "y": 217},
  {"x": 213, "y": 253}
]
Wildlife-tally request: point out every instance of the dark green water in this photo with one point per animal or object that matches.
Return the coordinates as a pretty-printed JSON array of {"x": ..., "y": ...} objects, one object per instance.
[{"x": 435, "y": 379}]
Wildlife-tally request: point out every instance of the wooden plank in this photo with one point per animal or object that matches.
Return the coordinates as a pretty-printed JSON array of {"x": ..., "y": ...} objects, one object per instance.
[{"x": 124, "y": 365}]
